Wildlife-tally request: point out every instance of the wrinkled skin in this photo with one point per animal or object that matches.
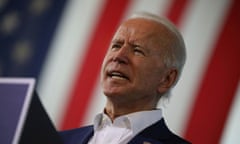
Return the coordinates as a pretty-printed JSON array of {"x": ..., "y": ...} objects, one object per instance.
[{"x": 133, "y": 71}]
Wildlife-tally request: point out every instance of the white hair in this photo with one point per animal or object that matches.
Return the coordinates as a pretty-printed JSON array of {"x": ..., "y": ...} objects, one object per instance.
[{"x": 175, "y": 57}]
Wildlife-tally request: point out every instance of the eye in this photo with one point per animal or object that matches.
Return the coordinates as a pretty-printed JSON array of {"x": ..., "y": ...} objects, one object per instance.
[
  {"x": 138, "y": 51},
  {"x": 115, "y": 46}
]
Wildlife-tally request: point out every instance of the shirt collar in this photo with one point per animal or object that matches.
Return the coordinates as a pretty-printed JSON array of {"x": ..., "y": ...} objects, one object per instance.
[{"x": 136, "y": 121}]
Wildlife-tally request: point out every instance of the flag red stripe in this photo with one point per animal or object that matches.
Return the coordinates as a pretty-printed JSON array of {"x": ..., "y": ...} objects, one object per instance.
[
  {"x": 176, "y": 10},
  {"x": 219, "y": 85},
  {"x": 88, "y": 74}
]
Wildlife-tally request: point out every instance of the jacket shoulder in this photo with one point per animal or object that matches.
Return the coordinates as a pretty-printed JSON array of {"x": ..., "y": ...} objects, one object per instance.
[
  {"x": 160, "y": 133},
  {"x": 175, "y": 139}
]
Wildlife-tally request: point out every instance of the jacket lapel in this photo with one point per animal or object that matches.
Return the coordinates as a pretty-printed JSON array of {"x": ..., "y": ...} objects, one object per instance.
[
  {"x": 153, "y": 135},
  {"x": 86, "y": 137}
]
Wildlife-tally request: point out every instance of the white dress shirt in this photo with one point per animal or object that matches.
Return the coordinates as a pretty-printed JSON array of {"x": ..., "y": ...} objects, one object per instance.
[{"x": 123, "y": 128}]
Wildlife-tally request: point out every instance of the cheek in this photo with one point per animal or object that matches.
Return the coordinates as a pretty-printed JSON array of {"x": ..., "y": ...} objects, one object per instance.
[
  {"x": 104, "y": 62},
  {"x": 149, "y": 74},
  {"x": 104, "y": 59},
  {"x": 102, "y": 72}
]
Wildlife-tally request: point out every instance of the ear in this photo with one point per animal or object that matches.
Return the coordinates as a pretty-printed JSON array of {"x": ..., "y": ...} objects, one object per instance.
[{"x": 167, "y": 80}]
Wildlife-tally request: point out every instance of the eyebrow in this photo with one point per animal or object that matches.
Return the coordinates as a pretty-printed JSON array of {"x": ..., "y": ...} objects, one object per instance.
[
  {"x": 117, "y": 40},
  {"x": 132, "y": 43}
]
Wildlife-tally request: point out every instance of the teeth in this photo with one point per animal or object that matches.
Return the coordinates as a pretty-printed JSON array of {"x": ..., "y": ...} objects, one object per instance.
[{"x": 117, "y": 75}]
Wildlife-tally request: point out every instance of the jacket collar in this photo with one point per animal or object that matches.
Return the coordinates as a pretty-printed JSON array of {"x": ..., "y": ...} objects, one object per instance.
[
  {"x": 152, "y": 135},
  {"x": 86, "y": 136}
]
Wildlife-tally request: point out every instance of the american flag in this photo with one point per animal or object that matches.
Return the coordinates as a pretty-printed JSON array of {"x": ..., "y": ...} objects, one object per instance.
[{"x": 62, "y": 43}]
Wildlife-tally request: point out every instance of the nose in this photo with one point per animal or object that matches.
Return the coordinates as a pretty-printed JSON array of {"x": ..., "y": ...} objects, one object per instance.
[{"x": 121, "y": 56}]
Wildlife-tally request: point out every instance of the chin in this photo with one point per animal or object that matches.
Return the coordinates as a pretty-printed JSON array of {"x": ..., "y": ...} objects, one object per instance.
[
  {"x": 113, "y": 90},
  {"x": 112, "y": 93}
]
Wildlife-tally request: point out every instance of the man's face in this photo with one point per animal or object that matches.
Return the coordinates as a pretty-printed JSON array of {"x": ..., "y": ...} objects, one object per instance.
[{"x": 133, "y": 66}]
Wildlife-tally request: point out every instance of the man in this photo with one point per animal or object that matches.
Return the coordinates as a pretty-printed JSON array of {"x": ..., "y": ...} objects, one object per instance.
[{"x": 143, "y": 63}]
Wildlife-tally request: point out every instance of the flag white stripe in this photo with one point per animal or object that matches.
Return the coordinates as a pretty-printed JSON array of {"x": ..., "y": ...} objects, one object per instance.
[
  {"x": 67, "y": 52},
  {"x": 158, "y": 7},
  {"x": 201, "y": 25},
  {"x": 232, "y": 127}
]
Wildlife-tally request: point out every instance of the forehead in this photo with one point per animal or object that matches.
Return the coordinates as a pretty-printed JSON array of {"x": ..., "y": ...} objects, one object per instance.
[
  {"x": 138, "y": 26},
  {"x": 141, "y": 29}
]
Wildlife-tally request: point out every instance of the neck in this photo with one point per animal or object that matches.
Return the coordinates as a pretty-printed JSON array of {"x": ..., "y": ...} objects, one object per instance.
[{"x": 116, "y": 109}]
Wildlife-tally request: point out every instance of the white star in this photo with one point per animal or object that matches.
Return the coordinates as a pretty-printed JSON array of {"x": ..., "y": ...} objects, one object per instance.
[
  {"x": 9, "y": 22},
  {"x": 2, "y": 3},
  {"x": 22, "y": 52},
  {"x": 37, "y": 7}
]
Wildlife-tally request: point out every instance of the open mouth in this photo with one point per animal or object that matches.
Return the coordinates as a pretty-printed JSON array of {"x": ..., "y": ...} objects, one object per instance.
[{"x": 117, "y": 75}]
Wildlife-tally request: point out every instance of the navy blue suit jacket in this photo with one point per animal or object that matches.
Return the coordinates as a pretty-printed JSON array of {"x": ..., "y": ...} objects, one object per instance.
[{"x": 157, "y": 133}]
